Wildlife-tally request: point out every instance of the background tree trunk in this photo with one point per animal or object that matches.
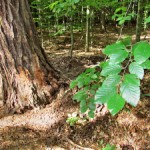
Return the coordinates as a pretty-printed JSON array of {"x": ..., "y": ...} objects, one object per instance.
[
  {"x": 72, "y": 36},
  {"x": 28, "y": 78},
  {"x": 87, "y": 29},
  {"x": 102, "y": 21},
  {"x": 140, "y": 19}
]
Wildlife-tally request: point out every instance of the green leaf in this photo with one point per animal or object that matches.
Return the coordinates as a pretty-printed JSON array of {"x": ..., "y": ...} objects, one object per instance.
[
  {"x": 146, "y": 64},
  {"x": 95, "y": 87},
  {"x": 126, "y": 41},
  {"x": 115, "y": 104},
  {"x": 91, "y": 114},
  {"x": 92, "y": 105},
  {"x": 147, "y": 20},
  {"x": 92, "y": 92},
  {"x": 120, "y": 18},
  {"x": 131, "y": 79},
  {"x": 129, "y": 91},
  {"x": 86, "y": 80},
  {"x": 120, "y": 9},
  {"x": 76, "y": 1},
  {"x": 83, "y": 109},
  {"x": 80, "y": 83},
  {"x": 141, "y": 52},
  {"x": 135, "y": 68},
  {"x": 112, "y": 80},
  {"x": 94, "y": 76},
  {"x": 73, "y": 84},
  {"x": 114, "y": 48},
  {"x": 122, "y": 21},
  {"x": 104, "y": 93},
  {"x": 120, "y": 56},
  {"x": 128, "y": 18},
  {"x": 109, "y": 147},
  {"x": 110, "y": 69},
  {"x": 90, "y": 70},
  {"x": 79, "y": 96},
  {"x": 83, "y": 103}
]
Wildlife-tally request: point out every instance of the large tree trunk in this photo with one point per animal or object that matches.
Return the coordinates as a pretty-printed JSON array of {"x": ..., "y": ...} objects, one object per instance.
[{"x": 28, "y": 78}]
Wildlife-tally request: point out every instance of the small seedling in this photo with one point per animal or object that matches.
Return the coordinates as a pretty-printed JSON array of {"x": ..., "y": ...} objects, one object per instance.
[{"x": 72, "y": 119}]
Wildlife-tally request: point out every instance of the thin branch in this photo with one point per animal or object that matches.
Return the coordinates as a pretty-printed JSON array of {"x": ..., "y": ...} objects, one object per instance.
[{"x": 123, "y": 23}]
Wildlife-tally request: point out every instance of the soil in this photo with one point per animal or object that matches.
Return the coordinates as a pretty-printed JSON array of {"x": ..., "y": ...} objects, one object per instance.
[{"x": 47, "y": 129}]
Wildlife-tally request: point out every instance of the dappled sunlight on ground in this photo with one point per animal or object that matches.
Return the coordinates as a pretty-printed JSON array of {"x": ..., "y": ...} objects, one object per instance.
[{"x": 46, "y": 128}]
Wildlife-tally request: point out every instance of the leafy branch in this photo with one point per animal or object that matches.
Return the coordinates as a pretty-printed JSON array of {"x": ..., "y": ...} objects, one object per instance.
[{"x": 110, "y": 83}]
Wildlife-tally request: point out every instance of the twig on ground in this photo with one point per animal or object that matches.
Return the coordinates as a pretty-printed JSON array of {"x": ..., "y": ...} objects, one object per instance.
[{"x": 76, "y": 145}]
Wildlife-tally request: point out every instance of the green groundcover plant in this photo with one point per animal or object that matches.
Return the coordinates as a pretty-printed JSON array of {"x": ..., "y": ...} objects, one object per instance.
[{"x": 114, "y": 81}]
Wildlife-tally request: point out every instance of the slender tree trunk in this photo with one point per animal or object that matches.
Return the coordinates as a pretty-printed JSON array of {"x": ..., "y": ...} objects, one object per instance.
[
  {"x": 28, "y": 78},
  {"x": 82, "y": 22},
  {"x": 56, "y": 23},
  {"x": 146, "y": 11},
  {"x": 103, "y": 23},
  {"x": 87, "y": 29},
  {"x": 91, "y": 28},
  {"x": 140, "y": 16},
  {"x": 72, "y": 37},
  {"x": 82, "y": 17}
]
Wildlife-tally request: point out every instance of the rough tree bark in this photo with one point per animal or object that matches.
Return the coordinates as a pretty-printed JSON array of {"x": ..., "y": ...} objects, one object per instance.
[{"x": 28, "y": 78}]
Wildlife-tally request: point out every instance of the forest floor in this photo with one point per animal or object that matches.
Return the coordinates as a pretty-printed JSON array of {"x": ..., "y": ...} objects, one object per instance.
[{"x": 46, "y": 129}]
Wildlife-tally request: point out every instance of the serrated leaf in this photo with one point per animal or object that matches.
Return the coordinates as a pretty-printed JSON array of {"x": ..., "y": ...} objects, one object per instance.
[
  {"x": 131, "y": 93},
  {"x": 118, "y": 57},
  {"x": 135, "y": 68},
  {"x": 141, "y": 52},
  {"x": 115, "y": 104},
  {"x": 113, "y": 49},
  {"x": 112, "y": 80},
  {"x": 80, "y": 95},
  {"x": 131, "y": 79},
  {"x": 104, "y": 93},
  {"x": 146, "y": 64},
  {"x": 110, "y": 69}
]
